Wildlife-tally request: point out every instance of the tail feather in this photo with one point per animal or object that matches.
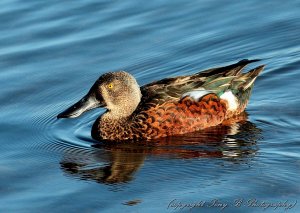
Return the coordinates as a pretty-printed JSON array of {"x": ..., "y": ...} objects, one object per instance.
[
  {"x": 246, "y": 80},
  {"x": 237, "y": 68},
  {"x": 241, "y": 88},
  {"x": 231, "y": 70},
  {"x": 229, "y": 77}
]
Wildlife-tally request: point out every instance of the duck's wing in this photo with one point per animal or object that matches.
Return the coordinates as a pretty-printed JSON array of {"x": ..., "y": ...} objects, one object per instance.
[{"x": 215, "y": 80}]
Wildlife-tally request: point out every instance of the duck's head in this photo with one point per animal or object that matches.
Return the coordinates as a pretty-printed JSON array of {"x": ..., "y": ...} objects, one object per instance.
[{"x": 117, "y": 91}]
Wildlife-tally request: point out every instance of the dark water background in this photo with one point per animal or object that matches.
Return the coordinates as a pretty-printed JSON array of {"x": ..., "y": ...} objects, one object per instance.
[{"x": 52, "y": 51}]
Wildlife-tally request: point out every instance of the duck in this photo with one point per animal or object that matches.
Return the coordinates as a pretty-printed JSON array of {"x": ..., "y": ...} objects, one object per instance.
[{"x": 168, "y": 107}]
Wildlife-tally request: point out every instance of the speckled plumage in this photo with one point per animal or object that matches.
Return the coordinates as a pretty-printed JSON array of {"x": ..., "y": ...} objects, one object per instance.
[{"x": 169, "y": 106}]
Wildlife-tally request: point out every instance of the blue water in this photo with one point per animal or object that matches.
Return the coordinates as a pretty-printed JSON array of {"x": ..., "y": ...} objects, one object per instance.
[{"x": 51, "y": 52}]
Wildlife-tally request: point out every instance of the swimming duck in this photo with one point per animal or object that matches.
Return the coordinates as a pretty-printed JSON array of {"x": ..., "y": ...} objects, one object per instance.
[{"x": 171, "y": 106}]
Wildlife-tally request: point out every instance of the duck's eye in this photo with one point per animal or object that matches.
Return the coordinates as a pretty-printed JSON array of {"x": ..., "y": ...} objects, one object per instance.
[{"x": 110, "y": 86}]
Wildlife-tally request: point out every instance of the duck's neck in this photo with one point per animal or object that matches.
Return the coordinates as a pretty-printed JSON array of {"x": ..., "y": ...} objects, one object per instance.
[
  {"x": 115, "y": 123},
  {"x": 111, "y": 126},
  {"x": 111, "y": 115},
  {"x": 114, "y": 119}
]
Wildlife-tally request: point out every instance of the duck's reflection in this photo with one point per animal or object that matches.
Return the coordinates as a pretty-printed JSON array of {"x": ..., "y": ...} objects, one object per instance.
[{"x": 117, "y": 163}]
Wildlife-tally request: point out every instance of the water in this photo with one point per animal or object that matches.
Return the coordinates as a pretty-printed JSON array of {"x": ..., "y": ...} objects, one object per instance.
[{"x": 52, "y": 51}]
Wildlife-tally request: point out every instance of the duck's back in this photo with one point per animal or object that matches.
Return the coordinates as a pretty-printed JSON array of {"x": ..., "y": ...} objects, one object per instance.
[{"x": 185, "y": 104}]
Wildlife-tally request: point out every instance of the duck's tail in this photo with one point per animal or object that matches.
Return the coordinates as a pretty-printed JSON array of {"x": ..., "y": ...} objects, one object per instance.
[
  {"x": 229, "y": 83},
  {"x": 238, "y": 93},
  {"x": 245, "y": 81}
]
